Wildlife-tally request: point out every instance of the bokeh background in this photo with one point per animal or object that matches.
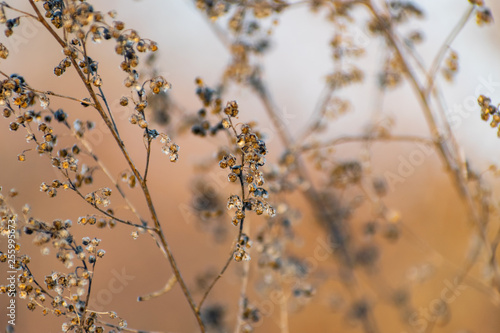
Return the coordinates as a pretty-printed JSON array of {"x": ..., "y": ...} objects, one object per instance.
[{"x": 436, "y": 236}]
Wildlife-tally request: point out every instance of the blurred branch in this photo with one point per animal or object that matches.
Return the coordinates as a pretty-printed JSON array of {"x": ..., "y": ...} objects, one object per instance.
[
  {"x": 168, "y": 286},
  {"x": 366, "y": 138},
  {"x": 436, "y": 63}
]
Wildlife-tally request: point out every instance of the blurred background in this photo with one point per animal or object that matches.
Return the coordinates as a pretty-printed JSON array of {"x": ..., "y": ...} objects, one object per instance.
[{"x": 435, "y": 237}]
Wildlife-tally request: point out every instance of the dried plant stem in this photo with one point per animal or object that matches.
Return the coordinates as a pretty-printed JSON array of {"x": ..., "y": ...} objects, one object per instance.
[
  {"x": 50, "y": 93},
  {"x": 42, "y": 289},
  {"x": 102, "y": 211},
  {"x": 446, "y": 45},
  {"x": 243, "y": 295},
  {"x": 168, "y": 286},
  {"x": 240, "y": 232},
  {"x": 223, "y": 270},
  {"x": 132, "y": 166},
  {"x": 366, "y": 138},
  {"x": 151, "y": 230},
  {"x": 101, "y": 94},
  {"x": 74, "y": 188},
  {"x": 103, "y": 167},
  {"x": 89, "y": 289},
  {"x": 18, "y": 10},
  {"x": 319, "y": 112}
]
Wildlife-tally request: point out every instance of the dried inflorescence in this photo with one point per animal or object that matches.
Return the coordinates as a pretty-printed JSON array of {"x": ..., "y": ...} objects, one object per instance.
[
  {"x": 488, "y": 111},
  {"x": 60, "y": 293},
  {"x": 483, "y": 13},
  {"x": 243, "y": 161},
  {"x": 246, "y": 168}
]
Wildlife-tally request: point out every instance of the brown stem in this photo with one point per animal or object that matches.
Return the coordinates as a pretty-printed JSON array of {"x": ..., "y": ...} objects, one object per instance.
[
  {"x": 223, "y": 270},
  {"x": 240, "y": 232}
]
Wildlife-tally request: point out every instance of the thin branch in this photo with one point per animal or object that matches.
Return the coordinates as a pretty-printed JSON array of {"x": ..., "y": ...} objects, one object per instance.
[
  {"x": 148, "y": 155},
  {"x": 365, "y": 138},
  {"x": 102, "y": 211},
  {"x": 240, "y": 232},
  {"x": 50, "y": 93},
  {"x": 18, "y": 10},
  {"x": 223, "y": 270},
  {"x": 89, "y": 289},
  {"x": 446, "y": 45},
  {"x": 103, "y": 167},
  {"x": 319, "y": 112},
  {"x": 448, "y": 157},
  {"x": 168, "y": 286},
  {"x": 243, "y": 297},
  {"x": 36, "y": 282},
  {"x": 110, "y": 114},
  {"x": 125, "y": 329}
]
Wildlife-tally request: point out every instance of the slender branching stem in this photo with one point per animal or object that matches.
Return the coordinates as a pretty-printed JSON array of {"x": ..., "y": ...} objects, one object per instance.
[
  {"x": 362, "y": 139},
  {"x": 221, "y": 273},
  {"x": 4, "y": 4},
  {"x": 148, "y": 155},
  {"x": 240, "y": 232},
  {"x": 436, "y": 63}
]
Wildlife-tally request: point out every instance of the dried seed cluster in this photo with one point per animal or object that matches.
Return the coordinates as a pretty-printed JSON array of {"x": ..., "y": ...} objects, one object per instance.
[
  {"x": 16, "y": 89},
  {"x": 99, "y": 197},
  {"x": 243, "y": 245},
  {"x": 483, "y": 13},
  {"x": 489, "y": 110},
  {"x": 63, "y": 294},
  {"x": 4, "y": 52},
  {"x": 450, "y": 68},
  {"x": 249, "y": 316},
  {"x": 169, "y": 148},
  {"x": 156, "y": 85},
  {"x": 129, "y": 178},
  {"x": 253, "y": 151},
  {"x": 243, "y": 161}
]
